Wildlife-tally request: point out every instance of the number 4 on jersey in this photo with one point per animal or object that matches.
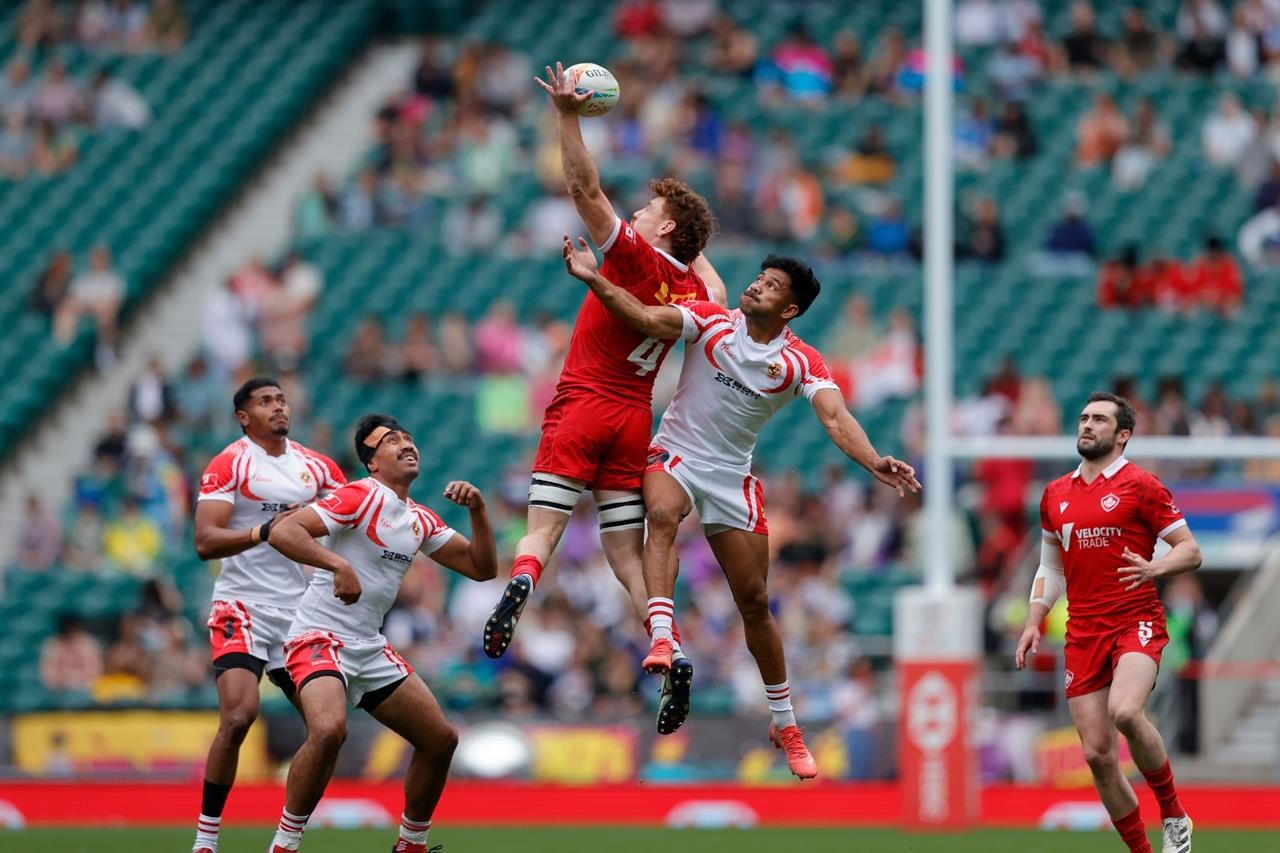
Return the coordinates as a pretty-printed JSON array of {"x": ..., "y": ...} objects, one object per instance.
[{"x": 646, "y": 355}]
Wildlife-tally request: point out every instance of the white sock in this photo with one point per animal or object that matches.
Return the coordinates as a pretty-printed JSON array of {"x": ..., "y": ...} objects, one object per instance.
[
  {"x": 661, "y": 614},
  {"x": 779, "y": 696},
  {"x": 207, "y": 829},
  {"x": 289, "y": 832},
  {"x": 414, "y": 831}
]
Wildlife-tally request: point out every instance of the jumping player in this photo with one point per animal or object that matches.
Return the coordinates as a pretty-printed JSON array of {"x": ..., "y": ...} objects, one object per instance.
[
  {"x": 740, "y": 368},
  {"x": 1100, "y": 526},
  {"x": 596, "y": 430},
  {"x": 250, "y": 485},
  {"x": 336, "y": 653}
]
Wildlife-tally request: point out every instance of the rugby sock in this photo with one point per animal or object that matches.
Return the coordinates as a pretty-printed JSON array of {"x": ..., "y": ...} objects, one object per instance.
[
  {"x": 289, "y": 833},
  {"x": 1133, "y": 832},
  {"x": 414, "y": 831},
  {"x": 1161, "y": 782},
  {"x": 677, "y": 652},
  {"x": 779, "y": 696},
  {"x": 527, "y": 564},
  {"x": 661, "y": 615},
  {"x": 207, "y": 829}
]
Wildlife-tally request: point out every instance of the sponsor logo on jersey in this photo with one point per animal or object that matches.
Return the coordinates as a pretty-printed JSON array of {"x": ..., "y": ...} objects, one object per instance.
[
  {"x": 666, "y": 297},
  {"x": 1062, "y": 507},
  {"x": 730, "y": 382},
  {"x": 775, "y": 370},
  {"x": 260, "y": 478},
  {"x": 267, "y": 506},
  {"x": 393, "y": 557},
  {"x": 1110, "y": 501},
  {"x": 1088, "y": 537}
]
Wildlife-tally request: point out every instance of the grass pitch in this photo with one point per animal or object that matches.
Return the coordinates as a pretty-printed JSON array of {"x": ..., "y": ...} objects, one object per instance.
[{"x": 619, "y": 840}]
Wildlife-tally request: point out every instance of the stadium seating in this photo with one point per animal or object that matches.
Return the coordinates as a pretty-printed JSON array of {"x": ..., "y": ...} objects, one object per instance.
[{"x": 147, "y": 196}]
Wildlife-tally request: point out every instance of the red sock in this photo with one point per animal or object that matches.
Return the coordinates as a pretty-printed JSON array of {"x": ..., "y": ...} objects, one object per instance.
[
  {"x": 1161, "y": 782},
  {"x": 527, "y": 565},
  {"x": 675, "y": 629},
  {"x": 1133, "y": 832}
]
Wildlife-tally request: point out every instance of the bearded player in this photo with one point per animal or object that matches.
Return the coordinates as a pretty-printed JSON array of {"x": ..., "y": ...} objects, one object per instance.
[
  {"x": 740, "y": 367},
  {"x": 596, "y": 431},
  {"x": 249, "y": 486},
  {"x": 336, "y": 652},
  {"x": 1100, "y": 526}
]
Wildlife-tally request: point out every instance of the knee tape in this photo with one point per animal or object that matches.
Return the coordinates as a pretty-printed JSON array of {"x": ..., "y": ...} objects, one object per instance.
[
  {"x": 553, "y": 492},
  {"x": 626, "y": 513}
]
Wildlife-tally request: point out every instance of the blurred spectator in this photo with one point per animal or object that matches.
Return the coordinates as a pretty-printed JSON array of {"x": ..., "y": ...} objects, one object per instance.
[
  {"x": 799, "y": 68},
  {"x": 1268, "y": 192},
  {"x": 1015, "y": 137},
  {"x": 499, "y": 340},
  {"x": 699, "y": 126},
  {"x": 1192, "y": 625},
  {"x": 227, "y": 336},
  {"x": 1265, "y": 470},
  {"x": 198, "y": 396},
  {"x": 71, "y": 658},
  {"x": 432, "y": 78},
  {"x": 890, "y": 370},
  {"x": 358, "y": 209},
  {"x": 1120, "y": 282},
  {"x": 53, "y": 150},
  {"x": 733, "y": 50},
  {"x": 1083, "y": 48},
  {"x": 132, "y": 542},
  {"x": 790, "y": 202},
  {"x": 1012, "y": 73},
  {"x": 53, "y": 284},
  {"x": 1147, "y": 144},
  {"x": 58, "y": 98},
  {"x": 39, "y": 539},
  {"x": 15, "y": 144},
  {"x": 98, "y": 294},
  {"x": 887, "y": 62},
  {"x": 1017, "y": 17},
  {"x": 1035, "y": 45},
  {"x": 1036, "y": 411},
  {"x": 116, "y": 104},
  {"x": 1137, "y": 51},
  {"x": 1242, "y": 44},
  {"x": 83, "y": 546},
  {"x": 985, "y": 239},
  {"x": 1259, "y": 239},
  {"x": 283, "y": 313},
  {"x": 1166, "y": 282},
  {"x": 735, "y": 212},
  {"x": 1101, "y": 132},
  {"x": 366, "y": 357},
  {"x": 1071, "y": 235},
  {"x": 977, "y": 23},
  {"x": 887, "y": 232},
  {"x": 689, "y": 18},
  {"x": 472, "y": 228},
  {"x": 974, "y": 138},
  {"x": 457, "y": 355},
  {"x": 1210, "y": 420},
  {"x": 127, "y": 25},
  {"x": 1215, "y": 279},
  {"x": 870, "y": 161},
  {"x": 419, "y": 355},
  {"x": 177, "y": 665},
  {"x": 1228, "y": 132},
  {"x": 1171, "y": 416},
  {"x": 504, "y": 78},
  {"x": 638, "y": 18},
  {"x": 166, "y": 29},
  {"x": 848, "y": 67},
  {"x": 318, "y": 209},
  {"x": 126, "y": 666},
  {"x": 16, "y": 86},
  {"x": 1202, "y": 30},
  {"x": 151, "y": 397},
  {"x": 855, "y": 335},
  {"x": 843, "y": 232},
  {"x": 40, "y": 24},
  {"x": 547, "y": 220}
]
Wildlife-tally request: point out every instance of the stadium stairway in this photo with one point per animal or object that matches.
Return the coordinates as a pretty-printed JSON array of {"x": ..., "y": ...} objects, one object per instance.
[{"x": 332, "y": 139}]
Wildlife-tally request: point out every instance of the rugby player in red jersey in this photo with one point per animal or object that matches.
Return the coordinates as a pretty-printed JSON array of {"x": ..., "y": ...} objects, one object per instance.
[{"x": 1100, "y": 524}]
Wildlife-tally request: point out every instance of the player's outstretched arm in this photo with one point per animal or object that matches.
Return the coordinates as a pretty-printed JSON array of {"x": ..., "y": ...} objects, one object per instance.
[
  {"x": 652, "y": 321},
  {"x": 476, "y": 558},
  {"x": 848, "y": 435},
  {"x": 296, "y": 536},
  {"x": 715, "y": 284},
  {"x": 215, "y": 538},
  {"x": 1184, "y": 556},
  {"x": 581, "y": 177}
]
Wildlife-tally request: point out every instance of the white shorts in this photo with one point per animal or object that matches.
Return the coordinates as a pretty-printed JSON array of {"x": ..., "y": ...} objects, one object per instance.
[
  {"x": 253, "y": 629},
  {"x": 364, "y": 665},
  {"x": 725, "y": 498}
]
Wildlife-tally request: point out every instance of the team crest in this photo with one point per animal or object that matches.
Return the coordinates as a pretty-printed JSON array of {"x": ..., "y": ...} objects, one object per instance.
[
  {"x": 775, "y": 370},
  {"x": 1070, "y": 676},
  {"x": 416, "y": 528},
  {"x": 305, "y": 477},
  {"x": 1110, "y": 501}
]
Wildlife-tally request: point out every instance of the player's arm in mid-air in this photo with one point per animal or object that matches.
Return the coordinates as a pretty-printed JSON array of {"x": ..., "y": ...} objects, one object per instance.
[
  {"x": 296, "y": 536},
  {"x": 580, "y": 174},
  {"x": 716, "y": 290},
  {"x": 476, "y": 558},
  {"x": 653, "y": 321},
  {"x": 848, "y": 435}
]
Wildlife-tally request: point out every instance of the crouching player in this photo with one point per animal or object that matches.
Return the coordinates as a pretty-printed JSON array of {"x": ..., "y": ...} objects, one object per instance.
[{"x": 336, "y": 653}]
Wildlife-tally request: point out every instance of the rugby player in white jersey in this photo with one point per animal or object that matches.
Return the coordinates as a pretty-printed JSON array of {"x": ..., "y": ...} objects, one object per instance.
[
  {"x": 336, "y": 653},
  {"x": 252, "y": 482},
  {"x": 740, "y": 367}
]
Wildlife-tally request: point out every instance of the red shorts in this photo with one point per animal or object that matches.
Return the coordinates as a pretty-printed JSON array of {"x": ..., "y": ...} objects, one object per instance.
[
  {"x": 1093, "y": 650},
  {"x": 363, "y": 667},
  {"x": 596, "y": 440}
]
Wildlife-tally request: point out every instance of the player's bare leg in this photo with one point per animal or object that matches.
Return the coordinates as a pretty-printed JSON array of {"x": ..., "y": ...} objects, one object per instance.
[
  {"x": 237, "y": 709},
  {"x": 1134, "y": 678},
  {"x": 324, "y": 707},
  {"x": 666, "y": 504},
  {"x": 413, "y": 713},
  {"x": 551, "y": 502},
  {"x": 744, "y": 558},
  {"x": 1098, "y": 738}
]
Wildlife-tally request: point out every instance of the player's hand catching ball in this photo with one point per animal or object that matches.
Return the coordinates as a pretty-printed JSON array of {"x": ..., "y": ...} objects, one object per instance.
[
  {"x": 1028, "y": 642},
  {"x": 346, "y": 586},
  {"x": 562, "y": 91},
  {"x": 581, "y": 262},
  {"x": 896, "y": 473},
  {"x": 1138, "y": 572},
  {"x": 464, "y": 494}
]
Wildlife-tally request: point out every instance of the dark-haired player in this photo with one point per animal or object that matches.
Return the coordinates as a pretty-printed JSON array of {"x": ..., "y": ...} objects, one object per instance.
[
  {"x": 1100, "y": 526},
  {"x": 740, "y": 368},
  {"x": 244, "y": 488},
  {"x": 336, "y": 652},
  {"x": 596, "y": 431}
]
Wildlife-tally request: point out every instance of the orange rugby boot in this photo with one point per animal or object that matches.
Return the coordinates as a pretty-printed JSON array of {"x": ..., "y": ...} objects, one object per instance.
[{"x": 791, "y": 740}]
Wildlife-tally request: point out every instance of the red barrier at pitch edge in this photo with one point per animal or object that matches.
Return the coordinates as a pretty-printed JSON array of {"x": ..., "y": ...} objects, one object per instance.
[{"x": 471, "y": 803}]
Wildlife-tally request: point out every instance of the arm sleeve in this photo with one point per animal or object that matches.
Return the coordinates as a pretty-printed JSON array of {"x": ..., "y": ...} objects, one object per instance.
[
  {"x": 435, "y": 532},
  {"x": 1159, "y": 513},
  {"x": 1046, "y": 526},
  {"x": 629, "y": 261},
  {"x": 342, "y": 509},
  {"x": 814, "y": 375},
  {"x": 220, "y": 479},
  {"x": 700, "y": 317},
  {"x": 334, "y": 478},
  {"x": 1050, "y": 580}
]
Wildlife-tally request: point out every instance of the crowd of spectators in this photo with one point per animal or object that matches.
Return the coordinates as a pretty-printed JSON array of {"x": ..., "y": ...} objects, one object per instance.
[
  {"x": 67, "y": 298},
  {"x": 1210, "y": 282}
]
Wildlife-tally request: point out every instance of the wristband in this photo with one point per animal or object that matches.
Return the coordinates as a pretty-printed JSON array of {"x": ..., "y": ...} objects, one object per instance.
[{"x": 255, "y": 535}]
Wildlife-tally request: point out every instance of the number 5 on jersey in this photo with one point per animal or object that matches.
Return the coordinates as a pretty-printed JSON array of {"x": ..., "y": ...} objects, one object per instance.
[{"x": 646, "y": 355}]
